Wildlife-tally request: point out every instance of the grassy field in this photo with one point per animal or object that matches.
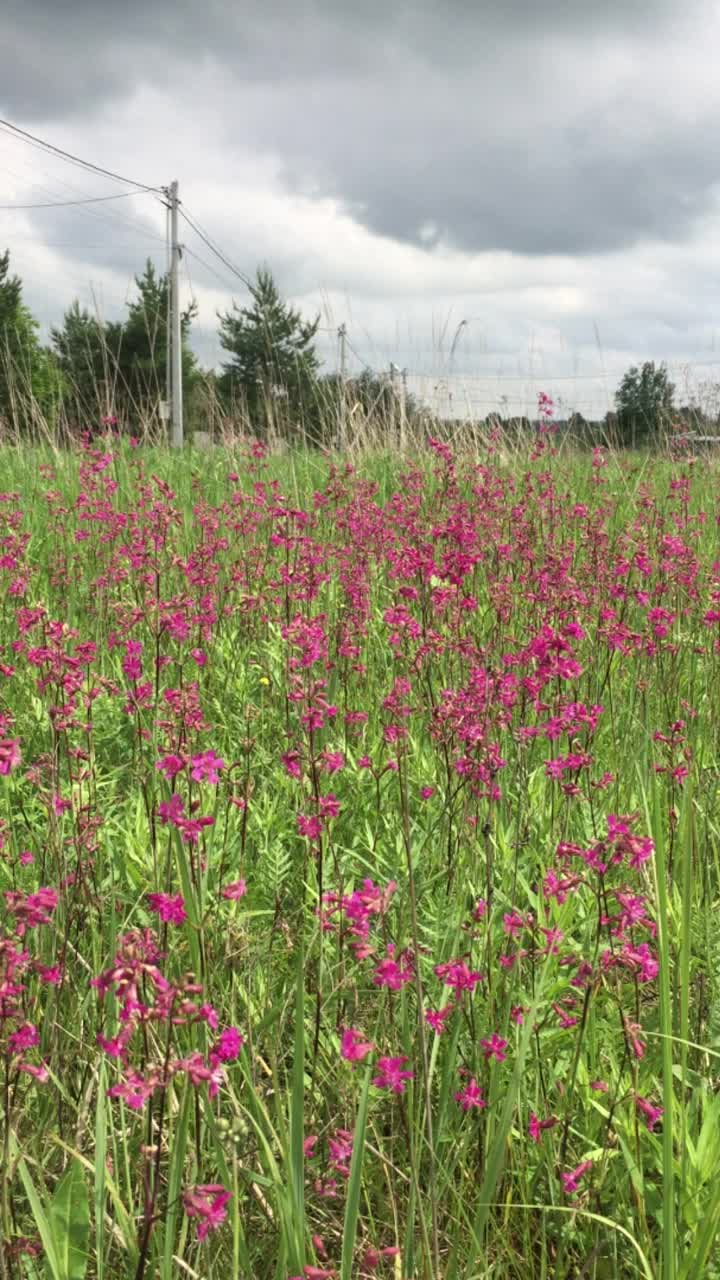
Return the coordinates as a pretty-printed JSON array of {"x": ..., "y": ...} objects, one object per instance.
[{"x": 360, "y": 866}]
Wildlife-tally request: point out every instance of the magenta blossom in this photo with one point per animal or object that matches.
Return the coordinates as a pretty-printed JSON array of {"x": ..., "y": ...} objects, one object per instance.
[
  {"x": 471, "y": 1096},
  {"x": 536, "y": 1127},
  {"x": 652, "y": 1114},
  {"x": 206, "y": 767},
  {"x": 26, "y": 1037},
  {"x": 234, "y": 891},
  {"x": 192, "y": 828},
  {"x": 228, "y": 1046},
  {"x": 9, "y": 755},
  {"x": 436, "y": 1018},
  {"x": 171, "y": 810},
  {"x": 208, "y": 1205},
  {"x": 352, "y": 1046},
  {"x": 134, "y": 1090},
  {"x": 171, "y": 765},
  {"x": 494, "y": 1047},
  {"x": 572, "y": 1177},
  {"x": 391, "y": 1075},
  {"x": 170, "y": 908},
  {"x": 311, "y": 827}
]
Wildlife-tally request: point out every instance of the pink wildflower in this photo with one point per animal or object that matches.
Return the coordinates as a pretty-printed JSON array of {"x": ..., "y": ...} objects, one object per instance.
[
  {"x": 494, "y": 1047},
  {"x": 352, "y": 1046},
  {"x": 471, "y": 1096},
  {"x": 206, "y": 767},
  {"x": 457, "y": 975},
  {"x": 652, "y": 1114},
  {"x": 292, "y": 764},
  {"x": 208, "y": 1205},
  {"x": 329, "y": 806},
  {"x": 536, "y": 1126},
  {"x": 26, "y": 1037},
  {"x": 340, "y": 1147},
  {"x": 235, "y": 891},
  {"x": 436, "y": 1018},
  {"x": 170, "y": 908},
  {"x": 228, "y": 1045},
  {"x": 572, "y": 1177},
  {"x": 391, "y": 1075},
  {"x": 134, "y": 1090},
  {"x": 333, "y": 761},
  {"x": 171, "y": 810},
  {"x": 390, "y": 973},
  {"x": 9, "y": 755},
  {"x": 310, "y": 827},
  {"x": 171, "y": 766},
  {"x": 192, "y": 828}
]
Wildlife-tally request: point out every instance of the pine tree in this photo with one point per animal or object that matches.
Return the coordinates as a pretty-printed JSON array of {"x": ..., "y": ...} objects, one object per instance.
[
  {"x": 139, "y": 346},
  {"x": 87, "y": 362},
  {"x": 272, "y": 357},
  {"x": 29, "y": 378}
]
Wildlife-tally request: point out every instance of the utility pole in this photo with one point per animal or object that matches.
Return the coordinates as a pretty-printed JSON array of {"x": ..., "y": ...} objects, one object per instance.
[
  {"x": 399, "y": 398},
  {"x": 342, "y": 340},
  {"x": 175, "y": 326},
  {"x": 403, "y": 408}
]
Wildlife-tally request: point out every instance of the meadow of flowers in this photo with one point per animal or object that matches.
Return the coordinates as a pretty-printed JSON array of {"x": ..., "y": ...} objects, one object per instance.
[{"x": 360, "y": 866}]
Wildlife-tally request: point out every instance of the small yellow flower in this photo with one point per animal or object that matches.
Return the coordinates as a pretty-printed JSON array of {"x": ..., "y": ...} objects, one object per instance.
[{"x": 264, "y": 680}]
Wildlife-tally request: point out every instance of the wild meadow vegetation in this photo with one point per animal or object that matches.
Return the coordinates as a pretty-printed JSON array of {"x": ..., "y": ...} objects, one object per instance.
[{"x": 360, "y": 865}]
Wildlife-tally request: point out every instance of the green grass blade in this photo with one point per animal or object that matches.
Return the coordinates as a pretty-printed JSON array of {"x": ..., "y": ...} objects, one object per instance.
[
  {"x": 666, "y": 1028},
  {"x": 352, "y": 1204},
  {"x": 178, "y": 1146},
  {"x": 297, "y": 1107},
  {"x": 42, "y": 1221},
  {"x": 69, "y": 1220},
  {"x": 100, "y": 1173}
]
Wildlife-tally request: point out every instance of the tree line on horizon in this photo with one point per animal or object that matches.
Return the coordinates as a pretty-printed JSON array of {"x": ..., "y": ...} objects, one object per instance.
[{"x": 94, "y": 371}]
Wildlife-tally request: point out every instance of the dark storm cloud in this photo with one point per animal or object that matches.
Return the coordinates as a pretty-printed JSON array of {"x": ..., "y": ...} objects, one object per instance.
[
  {"x": 63, "y": 57},
  {"x": 491, "y": 125},
  {"x": 87, "y": 235}
]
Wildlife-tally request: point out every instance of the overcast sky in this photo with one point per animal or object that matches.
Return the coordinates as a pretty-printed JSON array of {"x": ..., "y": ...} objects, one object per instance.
[{"x": 544, "y": 171}]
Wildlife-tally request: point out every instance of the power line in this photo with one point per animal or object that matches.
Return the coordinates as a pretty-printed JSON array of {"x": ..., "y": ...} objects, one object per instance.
[
  {"x": 207, "y": 266},
  {"x": 33, "y": 140},
  {"x": 351, "y": 348},
  {"x": 111, "y": 218},
  {"x": 193, "y": 299},
  {"x": 61, "y": 204},
  {"x": 70, "y": 244},
  {"x": 544, "y": 376},
  {"x": 214, "y": 249}
]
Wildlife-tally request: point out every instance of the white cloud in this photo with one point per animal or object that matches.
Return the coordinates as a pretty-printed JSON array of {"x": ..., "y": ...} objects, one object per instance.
[{"x": 553, "y": 187}]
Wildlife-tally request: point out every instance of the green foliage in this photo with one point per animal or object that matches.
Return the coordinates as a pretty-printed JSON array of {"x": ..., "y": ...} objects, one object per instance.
[
  {"x": 140, "y": 344},
  {"x": 121, "y": 367},
  {"x": 644, "y": 403},
  {"x": 69, "y": 1217},
  {"x": 29, "y": 380},
  {"x": 86, "y": 362},
  {"x": 273, "y": 366},
  {"x": 63, "y": 1222},
  {"x": 267, "y": 964}
]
